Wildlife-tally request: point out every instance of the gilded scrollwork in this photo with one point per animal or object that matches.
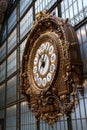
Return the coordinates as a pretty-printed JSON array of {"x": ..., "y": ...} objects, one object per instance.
[{"x": 59, "y": 97}]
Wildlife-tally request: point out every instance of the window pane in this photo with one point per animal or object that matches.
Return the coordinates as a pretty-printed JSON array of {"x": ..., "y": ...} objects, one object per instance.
[
  {"x": 12, "y": 40},
  {"x": 28, "y": 121},
  {"x": 82, "y": 37},
  {"x": 12, "y": 20},
  {"x": 11, "y": 118},
  {"x": 63, "y": 15},
  {"x": 2, "y": 114},
  {"x": 3, "y": 51},
  {"x": 77, "y": 110},
  {"x": 11, "y": 87},
  {"x": 11, "y": 63},
  {"x": 84, "y": 124},
  {"x": 67, "y": 13},
  {"x": 80, "y": 5},
  {"x": 74, "y": 125},
  {"x": 2, "y": 119},
  {"x": 24, "y": 4},
  {"x": 26, "y": 23},
  {"x": 79, "y": 125},
  {"x": 76, "y": 12},
  {"x": 2, "y": 71},
  {"x": 81, "y": 16},
  {"x": 82, "y": 110},
  {"x": 75, "y": 8},
  {"x": 83, "y": 33},
  {"x": 4, "y": 33},
  {"x": 62, "y": 6},
  {"x": 43, "y": 5},
  {"x": 85, "y": 50},
  {"x": 71, "y": 12},
  {"x": 66, "y": 4},
  {"x": 84, "y": 3},
  {"x": 70, "y": 2},
  {"x": 22, "y": 49},
  {"x": 85, "y": 67},
  {"x": 2, "y": 95},
  {"x": 79, "y": 35}
]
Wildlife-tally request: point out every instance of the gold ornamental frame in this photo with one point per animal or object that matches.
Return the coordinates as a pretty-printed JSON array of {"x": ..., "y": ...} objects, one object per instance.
[{"x": 60, "y": 97}]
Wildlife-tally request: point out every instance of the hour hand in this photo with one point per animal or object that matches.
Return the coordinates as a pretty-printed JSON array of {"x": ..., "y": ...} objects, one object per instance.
[
  {"x": 43, "y": 57},
  {"x": 42, "y": 64},
  {"x": 39, "y": 55}
]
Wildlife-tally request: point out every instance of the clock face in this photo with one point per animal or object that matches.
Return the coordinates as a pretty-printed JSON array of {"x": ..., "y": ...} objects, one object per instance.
[{"x": 43, "y": 64}]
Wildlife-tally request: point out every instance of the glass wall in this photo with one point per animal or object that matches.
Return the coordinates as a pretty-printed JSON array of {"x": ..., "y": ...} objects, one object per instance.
[
  {"x": 4, "y": 33},
  {"x": 26, "y": 23},
  {"x": 11, "y": 63},
  {"x": 12, "y": 40},
  {"x": 12, "y": 20},
  {"x": 11, "y": 118},
  {"x": 43, "y": 5},
  {"x": 2, "y": 119},
  {"x": 82, "y": 37},
  {"x": 75, "y": 10},
  {"x": 60, "y": 125},
  {"x": 11, "y": 87},
  {"x": 2, "y": 95},
  {"x": 1, "y": 114},
  {"x": 3, "y": 51},
  {"x": 22, "y": 49},
  {"x": 28, "y": 121},
  {"x": 24, "y": 4},
  {"x": 2, "y": 71}
]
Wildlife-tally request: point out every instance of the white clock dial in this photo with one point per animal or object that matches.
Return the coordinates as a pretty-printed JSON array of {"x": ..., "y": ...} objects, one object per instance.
[
  {"x": 38, "y": 53},
  {"x": 51, "y": 49},
  {"x": 42, "y": 47},
  {"x": 44, "y": 82},
  {"x": 52, "y": 68},
  {"x": 35, "y": 69},
  {"x": 47, "y": 45},
  {"x": 39, "y": 81},
  {"x": 53, "y": 57},
  {"x": 36, "y": 76},
  {"x": 35, "y": 60},
  {"x": 49, "y": 76},
  {"x": 43, "y": 64}
]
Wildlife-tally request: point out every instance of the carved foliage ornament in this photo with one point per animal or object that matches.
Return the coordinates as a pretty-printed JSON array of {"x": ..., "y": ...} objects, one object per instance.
[{"x": 51, "y": 68}]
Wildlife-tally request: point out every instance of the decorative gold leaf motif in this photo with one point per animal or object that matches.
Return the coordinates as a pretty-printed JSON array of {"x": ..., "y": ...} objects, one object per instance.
[{"x": 51, "y": 68}]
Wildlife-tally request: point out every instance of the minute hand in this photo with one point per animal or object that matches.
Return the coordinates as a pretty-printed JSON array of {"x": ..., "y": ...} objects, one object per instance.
[{"x": 45, "y": 58}]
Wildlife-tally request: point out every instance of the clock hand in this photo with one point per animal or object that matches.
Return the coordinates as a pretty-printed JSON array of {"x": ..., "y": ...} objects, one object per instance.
[
  {"x": 43, "y": 57},
  {"x": 42, "y": 64},
  {"x": 42, "y": 61},
  {"x": 39, "y": 55},
  {"x": 41, "y": 67}
]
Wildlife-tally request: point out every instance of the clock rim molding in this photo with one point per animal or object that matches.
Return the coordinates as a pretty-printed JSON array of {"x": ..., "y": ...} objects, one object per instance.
[
  {"x": 52, "y": 39},
  {"x": 52, "y": 101}
]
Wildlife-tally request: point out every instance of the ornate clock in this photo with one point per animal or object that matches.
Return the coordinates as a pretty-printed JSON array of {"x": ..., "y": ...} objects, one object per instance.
[
  {"x": 43, "y": 62},
  {"x": 51, "y": 68}
]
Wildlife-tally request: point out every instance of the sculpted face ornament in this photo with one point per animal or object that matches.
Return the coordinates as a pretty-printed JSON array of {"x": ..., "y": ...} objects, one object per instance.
[{"x": 51, "y": 68}]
